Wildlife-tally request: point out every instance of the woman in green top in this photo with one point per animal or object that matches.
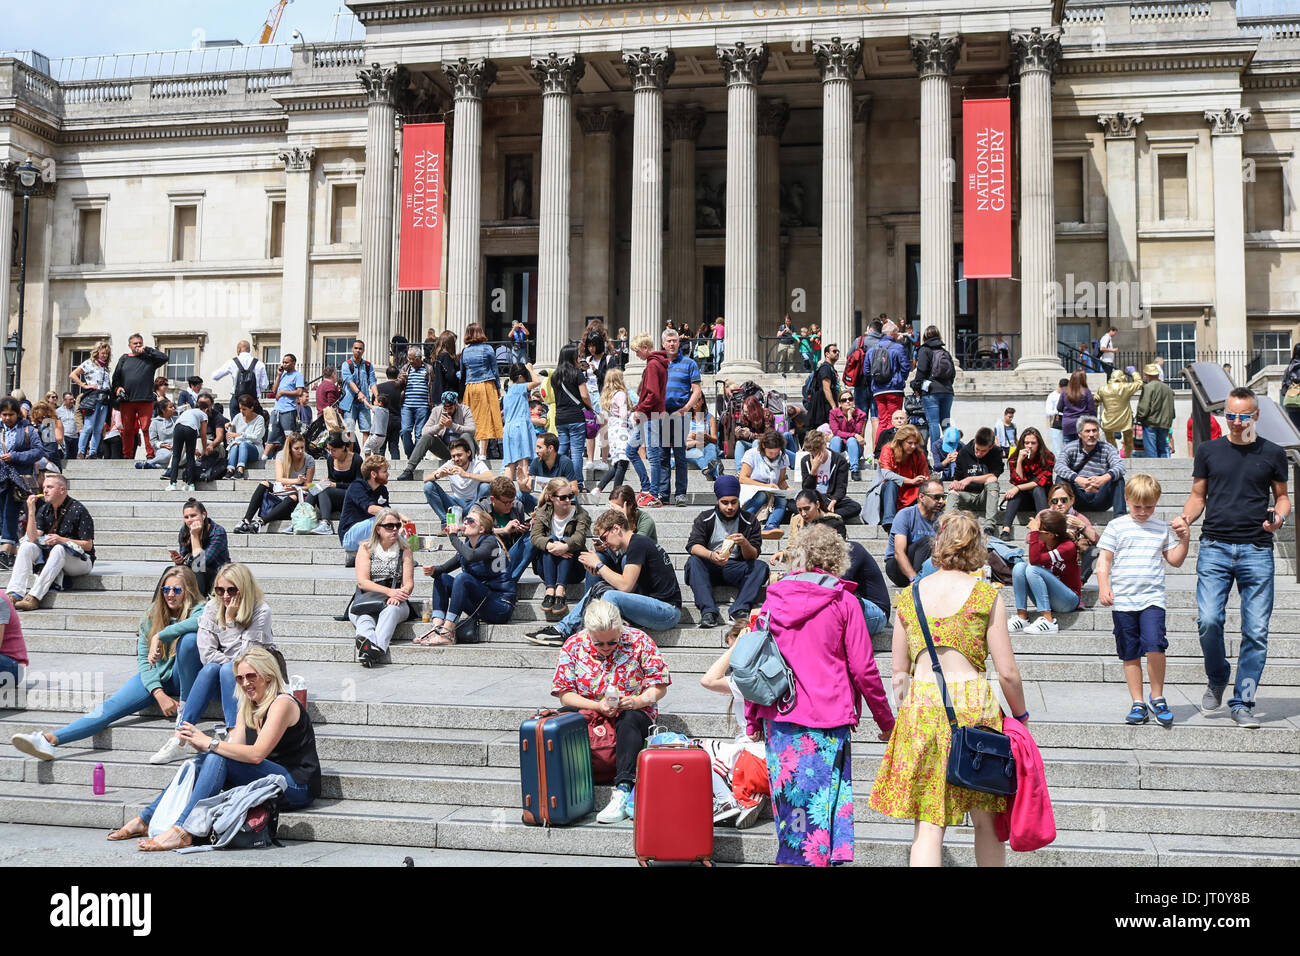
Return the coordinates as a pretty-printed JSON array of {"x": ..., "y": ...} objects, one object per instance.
[
  {"x": 173, "y": 615},
  {"x": 623, "y": 499}
]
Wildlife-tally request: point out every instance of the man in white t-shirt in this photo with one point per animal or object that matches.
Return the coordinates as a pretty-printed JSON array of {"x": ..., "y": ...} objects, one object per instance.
[
  {"x": 1056, "y": 435},
  {"x": 467, "y": 480},
  {"x": 1108, "y": 351}
]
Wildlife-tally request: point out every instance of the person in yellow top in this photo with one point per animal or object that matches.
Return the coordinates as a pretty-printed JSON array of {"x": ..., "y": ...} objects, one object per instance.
[{"x": 1115, "y": 408}]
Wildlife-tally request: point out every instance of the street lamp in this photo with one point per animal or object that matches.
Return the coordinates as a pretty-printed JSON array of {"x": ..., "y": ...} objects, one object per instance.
[
  {"x": 27, "y": 176},
  {"x": 11, "y": 355}
]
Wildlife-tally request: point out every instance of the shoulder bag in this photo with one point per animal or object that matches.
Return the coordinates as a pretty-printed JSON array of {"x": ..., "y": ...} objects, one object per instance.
[
  {"x": 592, "y": 423},
  {"x": 980, "y": 758}
]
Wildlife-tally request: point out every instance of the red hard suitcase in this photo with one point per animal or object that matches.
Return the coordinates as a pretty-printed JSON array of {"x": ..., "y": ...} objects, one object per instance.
[{"x": 673, "y": 817}]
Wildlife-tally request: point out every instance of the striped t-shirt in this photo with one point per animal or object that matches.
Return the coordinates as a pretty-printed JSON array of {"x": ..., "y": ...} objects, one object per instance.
[
  {"x": 417, "y": 387},
  {"x": 1137, "y": 575}
]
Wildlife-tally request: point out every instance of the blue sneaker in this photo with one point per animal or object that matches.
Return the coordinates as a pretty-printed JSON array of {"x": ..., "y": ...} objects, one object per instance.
[
  {"x": 1137, "y": 714},
  {"x": 631, "y": 803},
  {"x": 1160, "y": 707}
]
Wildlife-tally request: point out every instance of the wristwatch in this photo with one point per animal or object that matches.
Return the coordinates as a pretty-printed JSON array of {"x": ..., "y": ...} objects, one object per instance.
[{"x": 213, "y": 744}]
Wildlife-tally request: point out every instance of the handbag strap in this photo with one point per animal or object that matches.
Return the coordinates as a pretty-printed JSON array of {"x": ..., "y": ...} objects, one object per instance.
[{"x": 934, "y": 655}]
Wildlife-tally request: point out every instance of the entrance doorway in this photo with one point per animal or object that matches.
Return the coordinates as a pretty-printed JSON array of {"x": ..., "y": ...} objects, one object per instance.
[
  {"x": 714, "y": 299},
  {"x": 509, "y": 293}
]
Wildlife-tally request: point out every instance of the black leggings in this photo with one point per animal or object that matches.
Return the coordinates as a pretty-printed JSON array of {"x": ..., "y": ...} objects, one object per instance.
[
  {"x": 1039, "y": 494},
  {"x": 848, "y": 509},
  {"x": 282, "y": 509},
  {"x": 183, "y": 442},
  {"x": 631, "y": 727},
  {"x": 329, "y": 502},
  {"x": 615, "y": 475}
]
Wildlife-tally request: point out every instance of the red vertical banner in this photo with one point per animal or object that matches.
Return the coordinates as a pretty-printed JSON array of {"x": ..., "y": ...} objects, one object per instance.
[
  {"x": 419, "y": 259},
  {"x": 986, "y": 201}
]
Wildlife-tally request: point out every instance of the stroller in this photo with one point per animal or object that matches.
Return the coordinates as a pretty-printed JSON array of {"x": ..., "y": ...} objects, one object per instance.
[{"x": 915, "y": 411}]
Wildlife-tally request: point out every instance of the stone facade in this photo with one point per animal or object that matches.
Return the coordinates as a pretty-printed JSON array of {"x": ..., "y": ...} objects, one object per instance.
[{"x": 747, "y": 159}]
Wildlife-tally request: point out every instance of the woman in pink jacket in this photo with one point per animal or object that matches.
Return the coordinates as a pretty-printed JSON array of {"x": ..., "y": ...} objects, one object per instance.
[
  {"x": 848, "y": 430},
  {"x": 820, "y": 629}
]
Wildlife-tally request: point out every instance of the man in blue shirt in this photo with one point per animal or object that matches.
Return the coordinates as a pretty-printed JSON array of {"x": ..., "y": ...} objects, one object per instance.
[
  {"x": 682, "y": 395},
  {"x": 358, "y": 381},
  {"x": 416, "y": 400},
  {"x": 289, "y": 384},
  {"x": 912, "y": 535}
]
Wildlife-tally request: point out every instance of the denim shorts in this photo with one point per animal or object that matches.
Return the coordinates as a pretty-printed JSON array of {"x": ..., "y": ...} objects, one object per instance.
[{"x": 1139, "y": 632}]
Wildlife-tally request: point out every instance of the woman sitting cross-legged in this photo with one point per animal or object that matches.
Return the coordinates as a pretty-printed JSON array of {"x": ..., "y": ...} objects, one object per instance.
[
  {"x": 294, "y": 472},
  {"x": 559, "y": 534},
  {"x": 282, "y": 744},
  {"x": 762, "y": 472},
  {"x": 484, "y": 589},
  {"x": 237, "y": 618},
  {"x": 385, "y": 571},
  {"x": 164, "y": 676},
  {"x": 1031, "y": 475},
  {"x": 1052, "y": 575},
  {"x": 244, "y": 438}
]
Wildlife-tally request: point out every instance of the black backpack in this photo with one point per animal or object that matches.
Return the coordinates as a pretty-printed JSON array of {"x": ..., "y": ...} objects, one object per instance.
[
  {"x": 882, "y": 366},
  {"x": 246, "y": 379},
  {"x": 941, "y": 368}
]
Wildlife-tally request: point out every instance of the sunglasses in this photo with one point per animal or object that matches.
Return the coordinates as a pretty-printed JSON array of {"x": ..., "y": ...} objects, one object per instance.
[
  {"x": 1244, "y": 417},
  {"x": 473, "y": 521},
  {"x": 219, "y": 591},
  {"x": 562, "y": 497},
  {"x": 1060, "y": 501},
  {"x": 168, "y": 589},
  {"x": 246, "y": 678},
  {"x": 933, "y": 497},
  {"x": 390, "y": 525},
  {"x": 604, "y": 643}
]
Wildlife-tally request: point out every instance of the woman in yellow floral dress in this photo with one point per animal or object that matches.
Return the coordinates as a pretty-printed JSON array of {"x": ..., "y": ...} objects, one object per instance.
[{"x": 968, "y": 621}]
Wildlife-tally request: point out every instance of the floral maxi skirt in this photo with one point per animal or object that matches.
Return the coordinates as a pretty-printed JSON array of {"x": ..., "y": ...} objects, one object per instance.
[{"x": 812, "y": 793}]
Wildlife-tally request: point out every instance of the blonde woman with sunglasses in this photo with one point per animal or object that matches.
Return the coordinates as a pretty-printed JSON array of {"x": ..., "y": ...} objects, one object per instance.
[
  {"x": 484, "y": 589},
  {"x": 235, "y": 619},
  {"x": 385, "y": 566}
]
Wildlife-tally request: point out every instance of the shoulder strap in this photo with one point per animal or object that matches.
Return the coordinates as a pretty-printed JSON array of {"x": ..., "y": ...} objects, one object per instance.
[
  {"x": 1087, "y": 458},
  {"x": 934, "y": 655}
]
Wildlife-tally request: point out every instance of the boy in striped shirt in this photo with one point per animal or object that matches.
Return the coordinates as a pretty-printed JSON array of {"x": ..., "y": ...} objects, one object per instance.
[{"x": 1135, "y": 546}]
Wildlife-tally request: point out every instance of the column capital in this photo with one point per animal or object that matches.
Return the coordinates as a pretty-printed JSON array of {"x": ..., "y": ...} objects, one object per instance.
[
  {"x": 684, "y": 122},
  {"x": 649, "y": 68},
  {"x": 772, "y": 117},
  {"x": 383, "y": 84},
  {"x": 743, "y": 63},
  {"x": 8, "y": 177},
  {"x": 1036, "y": 50},
  {"x": 559, "y": 74},
  {"x": 297, "y": 159},
  {"x": 469, "y": 79},
  {"x": 862, "y": 108},
  {"x": 1120, "y": 125},
  {"x": 602, "y": 119},
  {"x": 935, "y": 55},
  {"x": 836, "y": 59},
  {"x": 1227, "y": 122}
]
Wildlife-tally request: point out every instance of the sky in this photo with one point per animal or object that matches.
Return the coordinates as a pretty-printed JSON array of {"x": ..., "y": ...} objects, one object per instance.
[{"x": 60, "y": 28}]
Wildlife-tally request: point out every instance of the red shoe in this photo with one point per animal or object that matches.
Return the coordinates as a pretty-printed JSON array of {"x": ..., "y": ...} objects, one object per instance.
[{"x": 646, "y": 500}]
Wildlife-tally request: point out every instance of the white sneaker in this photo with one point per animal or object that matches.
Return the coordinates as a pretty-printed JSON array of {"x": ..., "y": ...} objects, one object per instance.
[
  {"x": 1017, "y": 624},
  {"x": 172, "y": 750},
  {"x": 749, "y": 815},
  {"x": 1042, "y": 626},
  {"x": 171, "y": 486},
  {"x": 724, "y": 814},
  {"x": 616, "y": 810},
  {"x": 288, "y": 528},
  {"x": 322, "y": 528},
  {"x": 34, "y": 745}
]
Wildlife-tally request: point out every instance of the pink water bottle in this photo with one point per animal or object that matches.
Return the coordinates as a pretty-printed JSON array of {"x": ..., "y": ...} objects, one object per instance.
[{"x": 99, "y": 779}]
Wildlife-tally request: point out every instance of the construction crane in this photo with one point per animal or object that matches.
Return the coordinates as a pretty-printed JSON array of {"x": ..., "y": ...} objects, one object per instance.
[{"x": 273, "y": 21}]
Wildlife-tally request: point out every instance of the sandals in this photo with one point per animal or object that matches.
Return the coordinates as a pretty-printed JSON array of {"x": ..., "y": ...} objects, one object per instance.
[
  {"x": 171, "y": 839},
  {"x": 129, "y": 832},
  {"x": 436, "y": 636}
]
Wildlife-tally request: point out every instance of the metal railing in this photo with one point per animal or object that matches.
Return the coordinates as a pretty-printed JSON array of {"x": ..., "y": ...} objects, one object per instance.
[
  {"x": 1244, "y": 365},
  {"x": 982, "y": 352}
]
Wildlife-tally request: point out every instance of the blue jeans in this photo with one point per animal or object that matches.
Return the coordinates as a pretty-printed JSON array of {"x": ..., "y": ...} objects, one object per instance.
[
  {"x": 636, "y": 437},
  {"x": 358, "y": 417},
  {"x": 217, "y": 773},
  {"x": 243, "y": 454},
  {"x": 637, "y": 610},
  {"x": 741, "y": 448},
  {"x": 413, "y": 419},
  {"x": 1155, "y": 442},
  {"x": 938, "y": 411},
  {"x": 213, "y": 680},
  {"x": 8, "y": 517},
  {"x": 92, "y": 430},
  {"x": 703, "y": 456},
  {"x": 130, "y": 699},
  {"x": 439, "y": 500},
  {"x": 1050, "y": 592},
  {"x": 1112, "y": 496},
  {"x": 855, "y": 450},
  {"x": 672, "y": 447},
  {"x": 562, "y": 571},
  {"x": 877, "y": 620},
  {"x": 748, "y": 576},
  {"x": 358, "y": 533},
  {"x": 457, "y": 594},
  {"x": 1056, "y": 438},
  {"x": 862, "y": 397},
  {"x": 573, "y": 442},
  {"x": 888, "y": 502},
  {"x": 521, "y": 554},
  {"x": 1217, "y": 566},
  {"x": 778, "y": 510},
  {"x": 282, "y": 424}
]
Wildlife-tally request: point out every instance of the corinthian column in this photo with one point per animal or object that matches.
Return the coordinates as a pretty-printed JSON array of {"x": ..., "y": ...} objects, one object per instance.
[
  {"x": 837, "y": 62},
  {"x": 1036, "y": 54},
  {"x": 935, "y": 57},
  {"x": 684, "y": 126},
  {"x": 597, "y": 208},
  {"x": 470, "y": 80},
  {"x": 382, "y": 85},
  {"x": 861, "y": 197},
  {"x": 772, "y": 117},
  {"x": 7, "y": 179},
  {"x": 1226, "y": 128},
  {"x": 649, "y": 70},
  {"x": 742, "y": 65},
  {"x": 558, "y": 77},
  {"x": 296, "y": 250}
]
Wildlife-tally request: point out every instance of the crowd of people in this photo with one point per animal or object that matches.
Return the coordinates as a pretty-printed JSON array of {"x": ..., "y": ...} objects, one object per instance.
[{"x": 949, "y": 508}]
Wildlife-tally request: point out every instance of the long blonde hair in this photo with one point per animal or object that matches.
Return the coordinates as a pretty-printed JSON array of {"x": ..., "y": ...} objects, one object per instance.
[
  {"x": 286, "y": 454},
  {"x": 553, "y": 487},
  {"x": 250, "y": 594},
  {"x": 159, "y": 614},
  {"x": 100, "y": 346},
  {"x": 268, "y": 668},
  {"x": 613, "y": 386}
]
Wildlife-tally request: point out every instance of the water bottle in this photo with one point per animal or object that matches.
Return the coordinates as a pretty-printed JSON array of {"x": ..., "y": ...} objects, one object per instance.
[
  {"x": 612, "y": 696},
  {"x": 451, "y": 516},
  {"x": 98, "y": 786},
  {"x": 986, "y": 574}
]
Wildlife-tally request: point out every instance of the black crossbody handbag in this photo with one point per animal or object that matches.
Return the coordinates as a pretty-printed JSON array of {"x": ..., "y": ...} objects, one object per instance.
[{"x": 981, "y": 757}]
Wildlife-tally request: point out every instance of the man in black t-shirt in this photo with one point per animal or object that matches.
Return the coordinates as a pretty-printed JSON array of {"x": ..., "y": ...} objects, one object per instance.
[
  {"x": 977, "y": 467},
  {"x": 629, "y": 571},
  {"x": 1232, "y": 477}
]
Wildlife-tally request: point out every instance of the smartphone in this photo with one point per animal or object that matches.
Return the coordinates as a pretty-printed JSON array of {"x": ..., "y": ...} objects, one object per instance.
[{"x": 1272, "y": 516}]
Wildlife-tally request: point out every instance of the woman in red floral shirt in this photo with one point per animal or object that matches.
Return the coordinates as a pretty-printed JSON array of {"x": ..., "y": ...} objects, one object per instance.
[
  {"x": 1031, "y": 476},
  {"x": 609, "y": 655}
]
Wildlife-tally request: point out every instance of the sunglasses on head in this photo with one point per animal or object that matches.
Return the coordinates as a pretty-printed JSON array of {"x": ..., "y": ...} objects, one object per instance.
[
  {"x": 170, "y": 589},
  {"x": 219, "y": 591}
]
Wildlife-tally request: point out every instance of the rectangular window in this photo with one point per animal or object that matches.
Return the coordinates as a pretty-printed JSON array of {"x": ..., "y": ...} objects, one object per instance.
[
  {"x": 75, "y": 358},
  {"x": 89, "y": 252},
  {"x": 1276, "y": 346},
  {"x": 276, "y": 244},
  {"x": 913, "y": 283},
  {"x": 185, "y": 235},
  {"x": 1068, "y": 189},
  {"x": 1270, "y": 200},
  {"x": 338, "y": 349},
  {"x": 1176, "y": 343},
  {"x": 1173, "y": 187},
  {"x": 343, "y": 223},
  {"x": 271, "y": 359},
  {"x": 179, "y": 367}
]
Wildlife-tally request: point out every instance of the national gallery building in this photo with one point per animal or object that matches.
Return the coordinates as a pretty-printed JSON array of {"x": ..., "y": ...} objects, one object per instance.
[{"x": 642, "y": 163}]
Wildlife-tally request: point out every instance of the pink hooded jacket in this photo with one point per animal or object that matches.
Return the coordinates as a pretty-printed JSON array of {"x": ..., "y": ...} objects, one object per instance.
[
  {"x": 1028, "y": 819},
  {"x": 823, "y": 637}
]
